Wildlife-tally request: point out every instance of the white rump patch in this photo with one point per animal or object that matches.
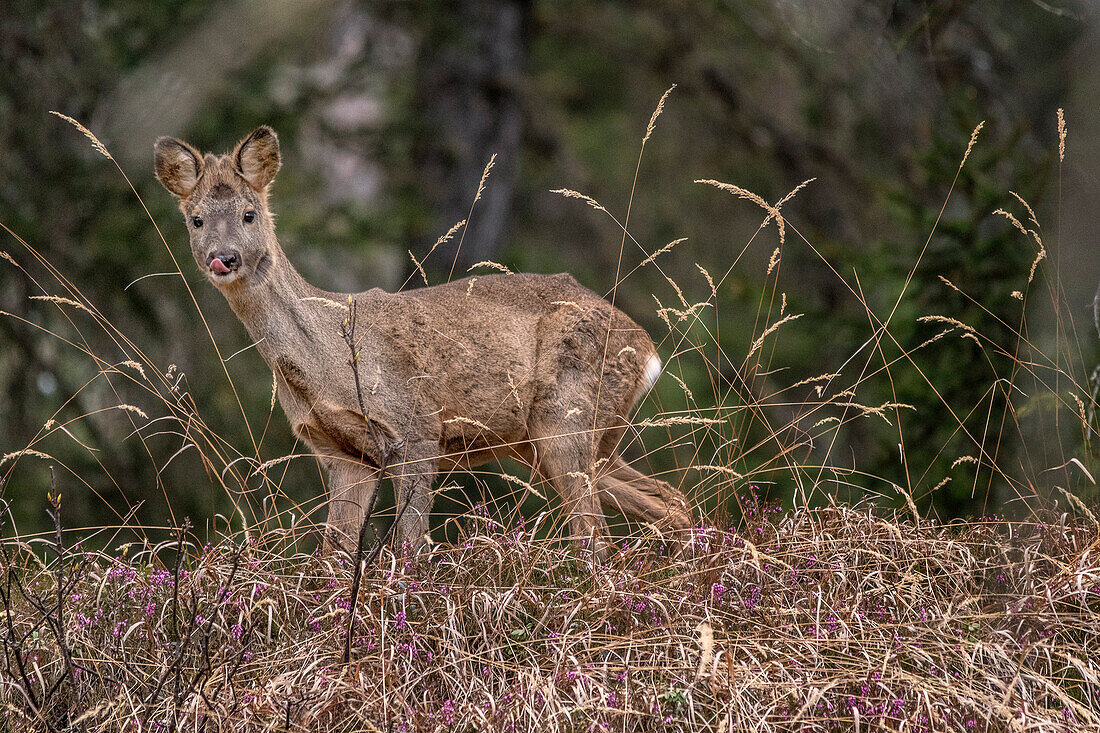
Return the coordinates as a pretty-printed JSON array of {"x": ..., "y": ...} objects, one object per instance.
[{"x": 652, "y": 372}]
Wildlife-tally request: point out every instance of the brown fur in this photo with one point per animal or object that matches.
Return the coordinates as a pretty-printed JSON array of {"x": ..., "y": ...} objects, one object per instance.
[{"x": 535, "y": 367}]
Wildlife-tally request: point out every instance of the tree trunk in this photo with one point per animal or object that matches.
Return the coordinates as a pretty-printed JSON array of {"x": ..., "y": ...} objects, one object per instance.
[{"x": 468, "y": 90}]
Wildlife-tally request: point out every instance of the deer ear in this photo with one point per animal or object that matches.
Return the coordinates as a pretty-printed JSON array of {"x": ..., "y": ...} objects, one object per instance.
[
  {"x": 177, "y": 165},
  {"x": 257, "y": 157}
]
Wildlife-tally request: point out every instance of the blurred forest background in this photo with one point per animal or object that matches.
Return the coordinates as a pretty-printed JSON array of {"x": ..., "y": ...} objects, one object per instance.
[{"x": 388, "y": 113}]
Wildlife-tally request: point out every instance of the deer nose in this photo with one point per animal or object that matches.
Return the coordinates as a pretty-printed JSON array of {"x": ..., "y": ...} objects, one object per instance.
[{"x": 223, "y": 262}]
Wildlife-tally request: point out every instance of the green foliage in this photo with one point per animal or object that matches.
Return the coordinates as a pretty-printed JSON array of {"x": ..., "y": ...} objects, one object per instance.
[{"x": 878, "y": 107}]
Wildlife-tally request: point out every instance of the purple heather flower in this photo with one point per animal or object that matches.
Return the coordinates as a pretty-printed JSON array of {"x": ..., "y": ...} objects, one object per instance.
[{"x": 448, "y": 712}]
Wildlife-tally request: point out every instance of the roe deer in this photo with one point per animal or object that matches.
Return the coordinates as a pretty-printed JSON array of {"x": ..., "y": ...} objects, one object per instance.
[{"x": 535, "y": 367}]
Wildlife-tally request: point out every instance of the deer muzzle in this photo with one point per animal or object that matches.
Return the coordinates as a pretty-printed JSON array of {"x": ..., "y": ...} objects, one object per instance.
[{"x": 223, "y": 263}]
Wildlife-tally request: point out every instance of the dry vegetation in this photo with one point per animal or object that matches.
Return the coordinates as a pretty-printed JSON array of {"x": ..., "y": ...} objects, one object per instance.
[
  {"x": 835, "y": 619},
  {"x": 804, "y": 618}
]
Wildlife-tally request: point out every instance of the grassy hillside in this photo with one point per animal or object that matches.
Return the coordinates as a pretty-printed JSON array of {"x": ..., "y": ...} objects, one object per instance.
[{"x": 834, "y": 619}]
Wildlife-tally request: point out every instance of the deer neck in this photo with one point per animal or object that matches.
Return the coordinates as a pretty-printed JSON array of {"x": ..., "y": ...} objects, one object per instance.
[{"x": 275, "y": 307}]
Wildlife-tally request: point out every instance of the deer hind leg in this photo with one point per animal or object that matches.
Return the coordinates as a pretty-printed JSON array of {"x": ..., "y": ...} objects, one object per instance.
[
  {"x": 642, "y": 498},
  {"x": 630, "y": 492},
  {"x": 351, "y": 490},
  {"x": 564, "y": 460}
]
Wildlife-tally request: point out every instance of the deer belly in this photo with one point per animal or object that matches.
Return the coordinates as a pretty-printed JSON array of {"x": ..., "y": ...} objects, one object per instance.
[{"x": 468, "y": 442}]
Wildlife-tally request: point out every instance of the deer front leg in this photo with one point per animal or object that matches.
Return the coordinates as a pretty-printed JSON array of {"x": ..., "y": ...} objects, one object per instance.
[
  {"x": 412, "y": 487},
  {"x": 352, "y": 486}
]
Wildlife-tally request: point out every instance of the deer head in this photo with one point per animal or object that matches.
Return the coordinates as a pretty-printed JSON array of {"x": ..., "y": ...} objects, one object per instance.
[{"x": 224, "y": 202}]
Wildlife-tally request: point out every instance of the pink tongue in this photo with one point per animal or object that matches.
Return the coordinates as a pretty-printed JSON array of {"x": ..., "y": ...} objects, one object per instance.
[{"x": 218, "y": 266}]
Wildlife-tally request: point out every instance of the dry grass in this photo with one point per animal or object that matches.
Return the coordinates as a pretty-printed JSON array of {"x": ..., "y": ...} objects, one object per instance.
[
  {"x": 834, "y": 619},
  {"x": 795, "y": 618}
]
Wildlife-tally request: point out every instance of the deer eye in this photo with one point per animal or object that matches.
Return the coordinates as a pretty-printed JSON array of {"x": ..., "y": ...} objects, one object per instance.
[
  {"x": 249, "y": 217},
  {"x": 196, "y": 221}
]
